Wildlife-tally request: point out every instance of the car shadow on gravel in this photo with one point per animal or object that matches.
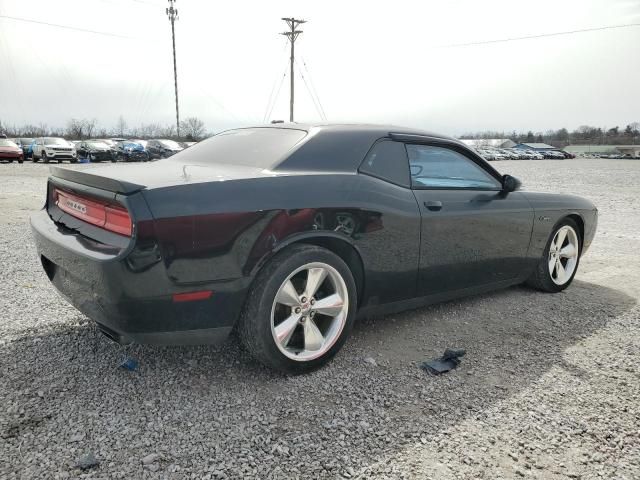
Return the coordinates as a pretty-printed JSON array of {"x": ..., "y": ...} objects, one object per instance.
[{"x": 243, "y": 419}]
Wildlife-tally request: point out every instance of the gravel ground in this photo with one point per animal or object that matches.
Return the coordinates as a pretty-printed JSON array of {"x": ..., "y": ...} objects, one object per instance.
[{"x": 549, "y": 388}]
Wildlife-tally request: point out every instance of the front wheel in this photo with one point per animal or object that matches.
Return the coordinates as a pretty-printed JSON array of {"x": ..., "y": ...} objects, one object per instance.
[
  {"x": 300, "y": 309},
  {"x": 560, "y": 259}
]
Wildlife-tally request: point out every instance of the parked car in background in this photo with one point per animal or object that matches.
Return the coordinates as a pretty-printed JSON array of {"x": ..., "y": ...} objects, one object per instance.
[
  {"x": 509, "y": 154},
  {"x": 10, "y": 151},
  {"x": 141, "y": 142},
  {"x": 187, "y": 144},
  {"x": 554, "y": 154},
  {"x": 487, "y": 154},
  {"x": 53, "y": 148},
  {"x": 24, "y": 144},
  {"x": 163, "y": 148},
  {"x": 130, "y": 151},
  {"x": 95, "y": 151}
]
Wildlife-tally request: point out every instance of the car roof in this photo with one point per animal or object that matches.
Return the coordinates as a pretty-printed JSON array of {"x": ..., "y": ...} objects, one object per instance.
[
  {"x": 343, "y": 146},
  {"x": 374, "y": 129}
]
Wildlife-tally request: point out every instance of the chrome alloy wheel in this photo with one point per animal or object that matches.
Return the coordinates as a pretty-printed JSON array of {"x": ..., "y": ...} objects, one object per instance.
[
  {"x": 309, "y": 311},
  {"x": 563, "y": 255}
]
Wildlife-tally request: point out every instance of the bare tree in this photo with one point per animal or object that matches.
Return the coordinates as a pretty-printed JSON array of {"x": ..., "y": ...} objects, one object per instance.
[
  {"x": 75, "y": 128},
  {"x": 192, "y": 128},
  {"x": 168, "y": 131},
  {"x": 121, "y": 127}
]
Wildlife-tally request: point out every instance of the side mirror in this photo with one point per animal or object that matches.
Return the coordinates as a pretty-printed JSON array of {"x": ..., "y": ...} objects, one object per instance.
[{"x": 510, "y": 184}]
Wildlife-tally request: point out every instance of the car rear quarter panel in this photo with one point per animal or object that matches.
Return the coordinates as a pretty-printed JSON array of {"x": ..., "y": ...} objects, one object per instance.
[
  {"x": 550, "y": 208},
  {"x": 227, "y": 230}
]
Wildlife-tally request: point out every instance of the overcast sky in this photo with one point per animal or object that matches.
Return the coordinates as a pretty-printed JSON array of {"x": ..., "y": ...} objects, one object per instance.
[{"x": 370, "y": 61}]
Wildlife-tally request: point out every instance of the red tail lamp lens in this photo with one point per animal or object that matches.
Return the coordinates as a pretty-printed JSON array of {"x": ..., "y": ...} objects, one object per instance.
[{"x": 101, "y": 214}]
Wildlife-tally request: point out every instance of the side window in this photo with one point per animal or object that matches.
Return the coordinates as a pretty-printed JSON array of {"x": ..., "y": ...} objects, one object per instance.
[
  {"x": 438, "y": 167},
  {"x": 387, "y": 160}
]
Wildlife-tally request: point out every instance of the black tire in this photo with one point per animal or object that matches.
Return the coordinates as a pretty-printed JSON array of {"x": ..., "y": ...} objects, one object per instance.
[
  {"x": 44, "y": 157},
  {"x": 541, "y": 277},
  {"x": 20, "y": 161},
  {"x": 254, "y": 325}
]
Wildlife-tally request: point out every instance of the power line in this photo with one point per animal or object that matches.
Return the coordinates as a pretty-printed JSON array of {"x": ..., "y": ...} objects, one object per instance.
[
  {"x": 275, "y": 99},
  {"x": 542, "y": 35},
  {"x": 275, "y": 83},
  {"x": 172, "y": 13},
  {"x": 292, "y": 35},
  {"x": 313, "y": 87},
  {"x": 313, "y": 98},
  {"x": 67, "y": 27}
]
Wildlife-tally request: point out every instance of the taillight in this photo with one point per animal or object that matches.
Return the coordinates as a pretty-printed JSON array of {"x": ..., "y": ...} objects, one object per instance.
[
  {"x": 101, "y": 214},
  {"x": 118, "y": 220}
]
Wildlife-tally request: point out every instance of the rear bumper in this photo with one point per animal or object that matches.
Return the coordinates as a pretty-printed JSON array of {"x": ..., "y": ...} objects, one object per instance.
[{"x": 129, "y": 303}]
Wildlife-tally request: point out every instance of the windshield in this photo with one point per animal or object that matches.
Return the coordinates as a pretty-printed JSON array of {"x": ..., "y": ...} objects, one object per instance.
[
  {"x": 7, "y": 143},
  {"x": 97, "y": 145},
  {"x": 169, "y": 144},
  {"x": 254, "y": 147},
  {"x": 26, "y": 141},
  {"x": 56, "y": 141}
]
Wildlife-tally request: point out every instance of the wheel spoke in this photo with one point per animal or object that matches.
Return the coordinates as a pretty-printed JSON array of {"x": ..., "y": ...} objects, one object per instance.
[
  {"x": 552, "y": 266},
  {"x": 286, "y": 329},
  {"x": 569, "y": 251},
  {"x": 315, "y": 277},
  {"x": 562, "y": 234},
  {"x": 560, "y": 272},
  {"x": 331, "y": 305},
  {"x": 313, "y": 338},
  {"x": 288, "y": 295}
]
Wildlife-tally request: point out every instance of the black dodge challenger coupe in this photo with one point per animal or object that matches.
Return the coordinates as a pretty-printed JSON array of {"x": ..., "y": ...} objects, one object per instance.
[{"x": 288, "y": 232}]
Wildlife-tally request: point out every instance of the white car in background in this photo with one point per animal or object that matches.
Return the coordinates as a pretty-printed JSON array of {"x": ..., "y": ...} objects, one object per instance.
[{"x": 54, "y": 148}]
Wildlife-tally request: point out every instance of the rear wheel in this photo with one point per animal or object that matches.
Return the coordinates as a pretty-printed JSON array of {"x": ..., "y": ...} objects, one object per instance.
[
  {"x": 559, "y": 263},
  {"x": 44, "y": 157},
  {"x": 300, "y": 309}
]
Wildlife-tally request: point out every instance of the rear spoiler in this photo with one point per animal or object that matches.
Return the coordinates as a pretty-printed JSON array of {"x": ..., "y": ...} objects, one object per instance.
[{"x": 96, "y": 181}]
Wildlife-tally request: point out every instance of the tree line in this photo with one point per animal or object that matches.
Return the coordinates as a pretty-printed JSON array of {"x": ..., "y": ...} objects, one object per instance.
[
  {"x": 584, "y": 135},
  {"x": 191, "y": 129}
]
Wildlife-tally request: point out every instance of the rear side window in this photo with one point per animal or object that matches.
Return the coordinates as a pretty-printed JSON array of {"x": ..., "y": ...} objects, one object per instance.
[
  {"x": 253, "y": 147},
  {"x": 387, "y": 160},
  {"x": 438, "y": 167}
]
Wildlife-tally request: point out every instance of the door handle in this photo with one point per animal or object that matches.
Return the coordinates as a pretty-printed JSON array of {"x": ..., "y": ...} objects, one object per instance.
[{"x": 433, "y": 205}]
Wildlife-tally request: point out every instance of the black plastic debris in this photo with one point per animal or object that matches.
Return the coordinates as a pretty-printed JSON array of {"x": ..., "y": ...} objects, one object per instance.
[{"x": 449, "y": 360}]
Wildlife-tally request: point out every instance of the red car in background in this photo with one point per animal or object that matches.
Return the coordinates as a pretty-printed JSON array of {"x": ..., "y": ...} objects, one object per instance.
[{"x": 10, "y": 151}]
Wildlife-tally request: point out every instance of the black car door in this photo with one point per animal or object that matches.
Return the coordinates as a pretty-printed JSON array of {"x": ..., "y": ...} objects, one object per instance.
[
  {"x": 472, "y": 233},
  {"x": 151, "y": 148}
]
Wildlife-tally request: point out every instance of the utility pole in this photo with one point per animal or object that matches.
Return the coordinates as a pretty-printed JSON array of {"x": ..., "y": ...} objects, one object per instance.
[
  {"x": 172, "y": 13},
  {"x": 292, "y": 35}
]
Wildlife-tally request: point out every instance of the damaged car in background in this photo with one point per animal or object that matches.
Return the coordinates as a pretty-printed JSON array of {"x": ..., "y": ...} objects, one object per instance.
[
  {"x": 95, "y": 151},
  {"x": 287, "y": 233}
]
